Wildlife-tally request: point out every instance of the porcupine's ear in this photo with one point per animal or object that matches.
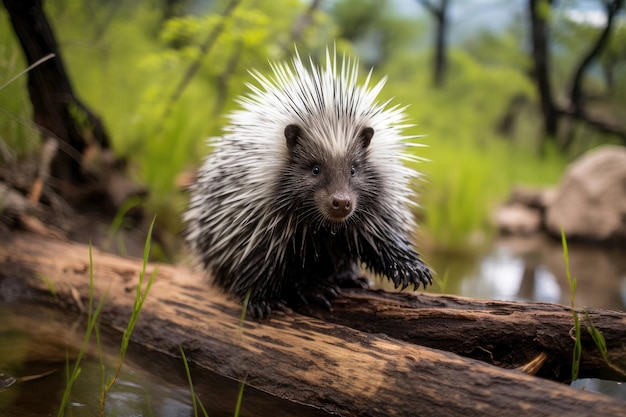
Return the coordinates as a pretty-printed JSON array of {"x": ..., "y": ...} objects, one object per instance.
[
  {"x": 292, "y": 133},
  {"x": 366, "y": 136}
]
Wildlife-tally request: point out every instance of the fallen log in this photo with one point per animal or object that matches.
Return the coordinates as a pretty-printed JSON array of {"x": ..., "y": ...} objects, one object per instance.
[
  {"x": 300, "y": 358},
  {"x": 506, "y": 334}
]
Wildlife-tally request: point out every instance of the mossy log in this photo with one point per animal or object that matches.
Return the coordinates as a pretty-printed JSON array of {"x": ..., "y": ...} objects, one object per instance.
[{"x": 339, "y": 367}]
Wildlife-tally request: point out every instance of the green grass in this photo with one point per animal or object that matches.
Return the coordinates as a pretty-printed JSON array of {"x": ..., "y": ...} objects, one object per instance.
[
  {"x": 470, "y": 168},
  {"x": 465, "y": 183},
  {"x": 442, "y": 282},
  {"x": 597, "y": 337},
  {"x": 577, "y": 350},
  {"x": 141, "y": 293},
  {"x": 93, "y": 315},
  {"x": 106, "y": 384},
  {"x": 242, "y": 385},
  {"x": 92, "y": 319},
  {"x": 194, "y": 397},
  {"x": 51, "y": 287}
]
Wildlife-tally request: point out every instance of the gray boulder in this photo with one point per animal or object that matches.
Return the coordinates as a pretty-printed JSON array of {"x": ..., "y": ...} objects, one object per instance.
[{"x": 590, "y": 202}]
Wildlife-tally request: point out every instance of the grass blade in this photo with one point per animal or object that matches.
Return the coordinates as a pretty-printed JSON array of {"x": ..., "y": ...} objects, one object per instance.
[{"x": 577, "y": 351}]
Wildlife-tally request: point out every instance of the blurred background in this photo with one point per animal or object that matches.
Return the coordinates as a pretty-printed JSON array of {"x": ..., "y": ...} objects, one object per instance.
[{"x": 506, "y": 93}]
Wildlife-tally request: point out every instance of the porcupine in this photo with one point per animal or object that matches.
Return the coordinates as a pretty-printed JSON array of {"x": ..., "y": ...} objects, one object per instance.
[{"x": 306, "y": 185}]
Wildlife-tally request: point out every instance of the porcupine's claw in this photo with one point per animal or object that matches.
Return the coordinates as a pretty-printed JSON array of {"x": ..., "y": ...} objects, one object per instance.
[
  {"x": 349, "y": 279},
  {"x": 262, "y": 310},
  {"x": 411, "y": 275},
  {"x": 259, "y": 310},
  {"x": 321, "y": 294},
  {"x": 416, "y": 273}
]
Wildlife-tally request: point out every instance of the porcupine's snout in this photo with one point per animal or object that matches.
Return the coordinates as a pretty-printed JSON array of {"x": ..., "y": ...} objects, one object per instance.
[{"x": 341, "y": 205}]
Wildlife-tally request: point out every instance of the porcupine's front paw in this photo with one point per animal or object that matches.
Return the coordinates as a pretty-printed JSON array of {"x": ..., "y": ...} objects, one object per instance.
[
  {"x": 322, "y": 292},
  {"x": 262, "y": 309},
  {"x": 412, "y": 273},
  {"x": 349, "y": 279},
  {"x": 319, "y": 293}
]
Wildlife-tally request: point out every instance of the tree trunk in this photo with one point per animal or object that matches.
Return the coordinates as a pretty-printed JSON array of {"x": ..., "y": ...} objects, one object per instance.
[
  {"x": 551, "y": 111},
  {"x": 338, "y": 368},
  {"x": 440, "y": 60},
  {"x": 577, "y": 109},
  {"x": 541, "y": 67},
  {"x": 57, "y": 111}
]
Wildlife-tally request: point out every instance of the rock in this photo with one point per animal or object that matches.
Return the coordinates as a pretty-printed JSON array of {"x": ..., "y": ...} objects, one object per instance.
[
  {"x": 518, "y": 219},
  {"x": 536, "y": 198},
  {"x": 590, "y": 203}
]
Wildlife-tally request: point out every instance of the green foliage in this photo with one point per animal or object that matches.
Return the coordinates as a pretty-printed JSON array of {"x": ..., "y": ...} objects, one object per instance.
[
  {"x": 127, "y": 62},
  {"x": 470, "y": 169},
  {"x": 18, "y": 136},
  {"x": 377, "y": 32},
  {"x": 544, "y": 10},
  {"x": 600, "y": 343},
  {"x": 503, "y": 49},
  {"x": 131, "y": 71}
]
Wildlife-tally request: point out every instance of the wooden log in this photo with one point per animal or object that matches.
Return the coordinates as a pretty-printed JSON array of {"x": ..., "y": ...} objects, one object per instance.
[
  {"x": 303, "y": 359},
  {"x": 506, "y": 334}
]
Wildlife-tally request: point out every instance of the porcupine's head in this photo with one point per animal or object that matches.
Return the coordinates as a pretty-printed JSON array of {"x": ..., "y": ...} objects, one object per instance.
[{"x": 339, "y": 152}]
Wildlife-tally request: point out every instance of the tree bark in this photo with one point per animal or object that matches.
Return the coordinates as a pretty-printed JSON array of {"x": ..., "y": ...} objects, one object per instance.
[
  {"x": 304, "y": 359},
  {"x": 506, "y": 334},
  {"x": 577, "y": 110},
  {"x": 550, "y": 110},
  {"x": 440, "y": 61},
  {"x": 541, "y": 66},
  {"x": 302, "y": 23},
  {"x": 205, "y": 49},
  {"x": 57, "y": 111}
]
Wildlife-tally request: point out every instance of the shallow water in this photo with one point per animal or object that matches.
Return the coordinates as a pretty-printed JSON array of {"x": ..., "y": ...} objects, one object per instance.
[
  {"x": 34, "y": 340},
  {"x": 533, "y": 269}
]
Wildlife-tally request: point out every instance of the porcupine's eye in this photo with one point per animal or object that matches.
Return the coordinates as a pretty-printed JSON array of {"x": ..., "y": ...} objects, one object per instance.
[
  {"x": 316, "y": 170},
  {"x": 352, "y": 171}
]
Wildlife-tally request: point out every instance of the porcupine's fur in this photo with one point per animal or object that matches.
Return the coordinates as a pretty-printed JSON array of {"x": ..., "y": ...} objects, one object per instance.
[{"x": 306, "y": 184}]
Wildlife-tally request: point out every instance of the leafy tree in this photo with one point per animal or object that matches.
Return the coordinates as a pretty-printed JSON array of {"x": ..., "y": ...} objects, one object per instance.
[
  {"x": 540, "y": 12},
  {"x": 376, "y": 31},
  {"x": 439, "y": 12},
  {"x": 58, "y": 112}
]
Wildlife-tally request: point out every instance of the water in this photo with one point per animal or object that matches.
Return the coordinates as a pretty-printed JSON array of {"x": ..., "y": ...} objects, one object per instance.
[
  {"x": 533, "y": 269},
  {"x": 35, "y": 340}
]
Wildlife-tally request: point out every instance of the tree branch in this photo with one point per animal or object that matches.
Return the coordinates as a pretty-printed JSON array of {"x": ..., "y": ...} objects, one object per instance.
[
  {"x": 598, "y": 124},
  {"x": 540, "y": 55},
  {"x": 303, "y": 22},
  {"x": 576, "y": 94},
  {"x": 205, "y": 48}
]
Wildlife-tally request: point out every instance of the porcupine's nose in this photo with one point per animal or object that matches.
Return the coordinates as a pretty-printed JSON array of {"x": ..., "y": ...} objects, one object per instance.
[{"x": 341, "y": 205}]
